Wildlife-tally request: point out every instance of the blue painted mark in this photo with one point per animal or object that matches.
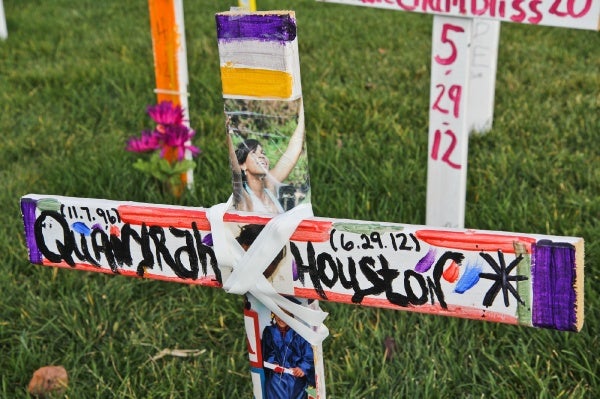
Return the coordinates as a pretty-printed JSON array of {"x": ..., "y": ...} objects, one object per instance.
[
  {"x": 81, "y": 228},
  {"x": 469, "y": 278}
]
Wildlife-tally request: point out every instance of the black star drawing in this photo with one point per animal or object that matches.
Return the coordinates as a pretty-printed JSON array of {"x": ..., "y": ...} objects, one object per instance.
[{"x": 502, "y": 279}]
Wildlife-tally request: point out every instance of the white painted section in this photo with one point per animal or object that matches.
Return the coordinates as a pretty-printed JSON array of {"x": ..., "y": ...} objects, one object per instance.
[
  {"x": 250, "y": 53},
  {"x": 252, "y": 339},
  {"x": 485, "y": 37},
  {"x": 256, "y": 385}
]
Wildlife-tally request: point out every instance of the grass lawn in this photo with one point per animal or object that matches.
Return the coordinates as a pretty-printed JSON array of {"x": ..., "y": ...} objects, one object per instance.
[{"x": 75, "y": 80}]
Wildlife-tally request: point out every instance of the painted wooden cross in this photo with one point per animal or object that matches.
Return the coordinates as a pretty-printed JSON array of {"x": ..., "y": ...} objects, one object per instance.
[
  {"x": 463, "y": 70},
  {"x": 170, "y": 64},
  {"x": 265, "y": 243}
]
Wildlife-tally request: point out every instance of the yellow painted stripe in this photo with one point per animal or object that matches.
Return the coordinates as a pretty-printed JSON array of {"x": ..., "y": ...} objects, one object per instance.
[
  {"x": 256, "y": 82},
  {"x": 248, "y": 4}
]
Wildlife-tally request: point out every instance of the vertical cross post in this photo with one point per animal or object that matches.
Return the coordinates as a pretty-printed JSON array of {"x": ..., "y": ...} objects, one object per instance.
[
  {"x": 260, "y": 75},
  {"x": 463, "y": 73},
  {"x": 448, "y": 121},
  {"x": 170, "y": 61},
  {"x": 3, "y": 29}
]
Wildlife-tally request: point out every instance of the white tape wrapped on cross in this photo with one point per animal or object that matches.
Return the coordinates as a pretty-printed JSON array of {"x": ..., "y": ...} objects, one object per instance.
[{"x": 247, "y": 268}]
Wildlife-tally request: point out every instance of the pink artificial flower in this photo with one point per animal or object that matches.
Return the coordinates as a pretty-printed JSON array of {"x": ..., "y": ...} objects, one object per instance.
[
  {"x": 178, "y": 136},
  {"x": 166, "y": 113},
  {"x": 148, "y": 141}
]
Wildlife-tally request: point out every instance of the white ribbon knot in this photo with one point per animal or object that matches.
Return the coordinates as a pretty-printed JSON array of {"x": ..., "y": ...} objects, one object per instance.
[{"x": 248, "y": 267}]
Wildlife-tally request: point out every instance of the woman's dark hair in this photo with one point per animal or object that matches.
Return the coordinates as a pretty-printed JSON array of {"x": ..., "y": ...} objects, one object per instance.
[
  {"x": 248, "y": 234},
  {"x": 244, "y": 148}
]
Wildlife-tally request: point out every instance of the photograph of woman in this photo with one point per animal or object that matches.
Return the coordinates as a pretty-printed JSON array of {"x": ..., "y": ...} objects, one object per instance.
[
  {"x": 256, "y": 130},
  {"x": 268, "y": 161}
]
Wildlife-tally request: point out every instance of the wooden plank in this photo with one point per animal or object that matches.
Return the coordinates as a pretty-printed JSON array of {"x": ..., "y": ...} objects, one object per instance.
[
  {"x": 169, "y": 50},
  {"x": 264, "y": 119},
  {"x": 577, "y": 14},
  {"x": 260, "y": 50},
  {"x": 526, "y": 279},
  {"x": 448, "y": 122},
  {"x": 170, "y": 60}
]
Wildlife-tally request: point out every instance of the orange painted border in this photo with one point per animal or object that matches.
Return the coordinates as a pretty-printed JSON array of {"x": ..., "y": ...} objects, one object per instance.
[
  {"x": 474, "y": 241},
  {"x": 308, "y": 229},
  {"x": 164, "y": 217},
  {"x": 165, "y": 41}
]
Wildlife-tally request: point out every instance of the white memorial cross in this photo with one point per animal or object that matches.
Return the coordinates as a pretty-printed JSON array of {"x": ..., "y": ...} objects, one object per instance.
[
  {"x": 463, "y": 69},
  {"x": 3, "y": 29},
  {"x": 284, "y": 263}
]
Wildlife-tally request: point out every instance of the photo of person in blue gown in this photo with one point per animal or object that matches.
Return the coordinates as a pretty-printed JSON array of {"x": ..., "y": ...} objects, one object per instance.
[{"x": 289, "y": 362}]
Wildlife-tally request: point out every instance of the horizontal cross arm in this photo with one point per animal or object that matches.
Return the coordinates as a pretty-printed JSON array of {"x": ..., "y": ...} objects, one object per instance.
[{"x": 526, "y": 279}]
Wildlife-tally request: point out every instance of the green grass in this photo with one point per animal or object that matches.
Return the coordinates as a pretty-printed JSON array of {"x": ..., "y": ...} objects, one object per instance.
[{"x": 75, "y": 78}]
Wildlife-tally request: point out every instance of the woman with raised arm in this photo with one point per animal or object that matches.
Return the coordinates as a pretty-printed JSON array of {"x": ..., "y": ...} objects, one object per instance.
[{"x": 255, "y": 184}]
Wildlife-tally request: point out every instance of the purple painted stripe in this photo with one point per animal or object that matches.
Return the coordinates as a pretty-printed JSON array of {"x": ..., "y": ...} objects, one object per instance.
[
  {"x": 28, "y": 206},
  {"x": 554, "y": 297},
  {"x": 267, "y": 27}
]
